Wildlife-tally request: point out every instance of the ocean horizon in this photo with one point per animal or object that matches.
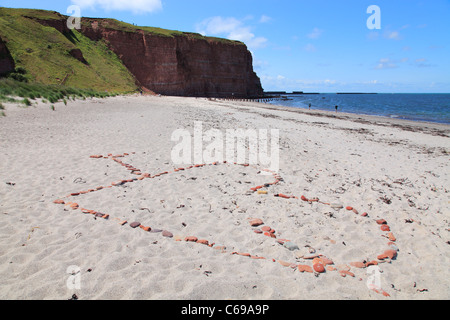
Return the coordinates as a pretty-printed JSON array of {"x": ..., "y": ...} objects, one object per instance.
[{"x": 424, "y": 107}]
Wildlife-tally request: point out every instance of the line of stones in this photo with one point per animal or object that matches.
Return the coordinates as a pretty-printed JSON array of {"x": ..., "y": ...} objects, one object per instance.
[{"x": 320, "y": 262}]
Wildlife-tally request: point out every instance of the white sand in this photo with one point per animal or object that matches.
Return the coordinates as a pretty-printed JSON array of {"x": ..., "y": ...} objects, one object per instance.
[{"x": 352, "y": 160}]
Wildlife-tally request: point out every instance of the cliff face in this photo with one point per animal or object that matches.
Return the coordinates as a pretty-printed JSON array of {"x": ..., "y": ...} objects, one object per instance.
[{"x": 182, "y": 65}]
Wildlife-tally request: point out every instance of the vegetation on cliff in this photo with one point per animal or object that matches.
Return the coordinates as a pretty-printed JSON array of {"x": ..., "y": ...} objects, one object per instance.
[{"x": 46, "y": 56}]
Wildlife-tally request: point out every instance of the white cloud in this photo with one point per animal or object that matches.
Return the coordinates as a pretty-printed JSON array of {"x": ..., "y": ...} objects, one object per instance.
[
  {"x": 386, "y": 63},
  {"x": 265, "y": 19},
  {"x": 135, "y": 6},
  {"x": 232, "y": 29},
  {"x": 310, "y": 48},
  {"x": 392, "y": 35},
  {"x": 316, "y": 33}
]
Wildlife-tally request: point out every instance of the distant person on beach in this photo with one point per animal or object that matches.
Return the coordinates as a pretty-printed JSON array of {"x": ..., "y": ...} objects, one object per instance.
[
  {"x": 310, "y": 106},
  {"x": 336, "y": 107}
]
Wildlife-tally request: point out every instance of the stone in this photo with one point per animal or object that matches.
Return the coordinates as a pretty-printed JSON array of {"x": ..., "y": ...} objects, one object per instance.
[
  {"x": 256, "y": 222},
  {"x": 391, "y": 237},
  {"x": 135, "y": 224},
  {"x": 382, "y": 257},
  {"x": 365, "y": 214},
  {"x": 343, "y": 267},
  {"x": 336, "y": 206},
  {"x": 325, "y": 261},
  {"x": 266, "y": 229},
  {"x": 318, "y": 267},
  {"x": 167, "y": 234},
  {"x": 355, "y": 211},
  {"x": 392, "y": 254},
  {"x": 345, "y": 273},
  {"x": 202, "y": 241},
  {"x": 385, "y": 227},
  {"x": 381, "y": 221},
  {"x": 257, "y": 231},
  {"x": 284, "y": 263},
  {"x": 349, "y": 208},
  {"x": 290, "y": 246},
  {"x": 157, "y": 231},
  {"x": 371, "y": 263},
  {"x": 304, "y": 268},
  {"x": 358, "y": 264},
  {"x": 59, "y": 201},
  {"x": 191, "y": 239}
]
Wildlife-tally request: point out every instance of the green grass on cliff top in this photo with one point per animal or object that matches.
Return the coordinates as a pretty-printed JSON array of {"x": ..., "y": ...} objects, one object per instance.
[{"x": 126, "y": 27}]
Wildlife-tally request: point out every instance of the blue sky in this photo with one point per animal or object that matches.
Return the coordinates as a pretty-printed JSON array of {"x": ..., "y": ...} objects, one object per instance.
[{"x": 311, "y": 46}]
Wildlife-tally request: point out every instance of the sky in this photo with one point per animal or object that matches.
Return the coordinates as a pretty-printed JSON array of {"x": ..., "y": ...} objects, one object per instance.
[{"x": 400, "y": 46}]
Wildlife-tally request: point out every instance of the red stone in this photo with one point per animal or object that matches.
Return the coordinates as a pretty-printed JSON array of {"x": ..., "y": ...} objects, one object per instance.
[
  {"x": 304, "y": 268},
  {"x": 256, "y": 222},
  {"x": 59, "y": 201},
  {"x": 303, "y": 198},
  {"x": 167, "y": 234},
  {"x": 358, "y": 264},
  {"x": 391, "y": 254},
  {"x": 345, "y": 273},
  {"x": 265, "y": 228},
  {"x": 385, "y": 227},
  {"x": 381, "y": 221},
  {"x": 349, "y": 208},
  {"x": 382, "y": 257},
  {"x": 145, "y": 228},
  {"x": 191, "y": 239},
  {"x": 318, "y": 267},
  {"x": 205, "y": 242},
  {"x": 391, "y": 236}
]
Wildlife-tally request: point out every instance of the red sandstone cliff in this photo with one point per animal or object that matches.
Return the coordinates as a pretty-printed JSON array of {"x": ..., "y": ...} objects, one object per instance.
[{"x": 181, "y": 65}]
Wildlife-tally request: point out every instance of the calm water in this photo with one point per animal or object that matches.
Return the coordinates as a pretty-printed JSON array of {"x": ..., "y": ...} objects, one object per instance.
[{"x": 417, "y": 107}]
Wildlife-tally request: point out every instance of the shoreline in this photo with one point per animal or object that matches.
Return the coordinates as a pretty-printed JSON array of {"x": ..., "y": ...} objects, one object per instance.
[{"x": 365, "y": 118}]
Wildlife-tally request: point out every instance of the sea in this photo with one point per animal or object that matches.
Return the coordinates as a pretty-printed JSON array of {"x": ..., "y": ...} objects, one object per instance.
[{"x": 416, "y": 107}]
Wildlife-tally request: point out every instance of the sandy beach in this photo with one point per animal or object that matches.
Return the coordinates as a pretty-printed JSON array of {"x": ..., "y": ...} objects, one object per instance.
[{"x": 359, "y": 208}]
